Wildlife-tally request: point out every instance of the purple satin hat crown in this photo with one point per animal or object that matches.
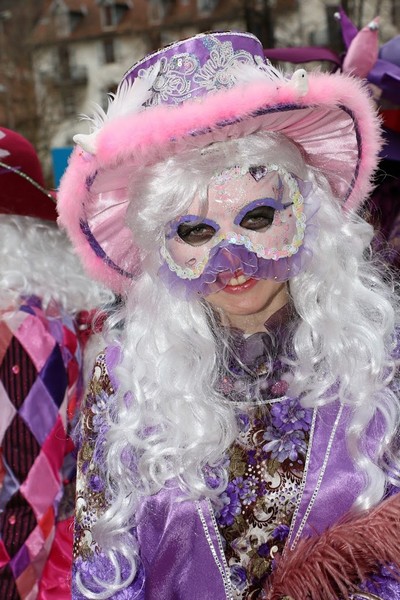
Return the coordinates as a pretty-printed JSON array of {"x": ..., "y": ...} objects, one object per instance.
[
  {"x": 195, "y": 67},
  {"x": 196, "y": 92}
]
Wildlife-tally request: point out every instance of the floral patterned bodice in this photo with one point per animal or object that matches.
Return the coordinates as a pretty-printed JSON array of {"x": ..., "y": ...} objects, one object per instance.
[
  {"x": 266, "y": 461},
  {"x": 265, "y": 473}
]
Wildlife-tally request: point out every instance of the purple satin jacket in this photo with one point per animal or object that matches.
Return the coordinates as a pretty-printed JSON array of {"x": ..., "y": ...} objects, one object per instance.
[{"x": 180, "y": 545}]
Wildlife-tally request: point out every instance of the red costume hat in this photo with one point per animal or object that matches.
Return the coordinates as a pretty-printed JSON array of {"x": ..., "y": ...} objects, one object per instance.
[{"x": 22, "y": 186}]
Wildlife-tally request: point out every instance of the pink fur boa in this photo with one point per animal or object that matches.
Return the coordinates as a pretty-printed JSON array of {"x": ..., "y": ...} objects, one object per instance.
[{"x": 334, "y": 563}]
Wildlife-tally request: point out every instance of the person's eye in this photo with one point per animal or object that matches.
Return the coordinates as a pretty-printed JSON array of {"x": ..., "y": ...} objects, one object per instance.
[
  {"x": 195, "y": 235},
  {"x": 258, "y": 219}
]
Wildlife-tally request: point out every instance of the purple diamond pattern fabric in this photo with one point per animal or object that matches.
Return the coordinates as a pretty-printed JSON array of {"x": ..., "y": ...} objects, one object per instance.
[{"x": 40, "y": 363}]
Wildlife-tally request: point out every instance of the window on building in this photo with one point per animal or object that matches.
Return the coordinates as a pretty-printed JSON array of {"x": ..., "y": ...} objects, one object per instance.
[
  {"x": 75, "y": 18},
  {"x": 112, "y": 12},
  {"x": 109, "y": 51},
  {"x": 65, "y": 19},
  {"x": 206, "y": 7},
  {"x": 69, "y": 104},
  {"x": 64, "y": 62},
  {"x": 286, "y": 5},
  {"x": 157, "y": 9},
  {"x": 109, "y": 15},
  {"x": 61, "y": 19},
  {"x": 259, "y": 5}
]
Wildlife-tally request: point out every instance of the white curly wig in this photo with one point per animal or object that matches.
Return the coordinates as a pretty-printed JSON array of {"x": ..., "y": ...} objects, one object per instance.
[{"x": 36, "y": 258}]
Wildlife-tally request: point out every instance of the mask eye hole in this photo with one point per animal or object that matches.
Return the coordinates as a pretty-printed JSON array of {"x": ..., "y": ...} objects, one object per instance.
[
  {"x": 258, "y": 219},
  {"x": 196, "y": 234}
]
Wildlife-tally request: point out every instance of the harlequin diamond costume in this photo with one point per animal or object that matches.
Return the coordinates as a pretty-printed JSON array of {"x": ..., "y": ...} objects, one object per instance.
[
  {"x": 40, "y": 379},
  {"x": 215, "y": 462}
]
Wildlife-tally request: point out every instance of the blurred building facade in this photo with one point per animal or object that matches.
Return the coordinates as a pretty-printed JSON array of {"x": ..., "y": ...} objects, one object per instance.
[
  {"x": 17, "y": 94},
  {"x": 58, "y": 56},
  {"x": 81, "y": 49}
]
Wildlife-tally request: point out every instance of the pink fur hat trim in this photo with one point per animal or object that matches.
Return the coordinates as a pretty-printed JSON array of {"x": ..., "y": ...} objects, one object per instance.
[{"x": 334, "y": 121}]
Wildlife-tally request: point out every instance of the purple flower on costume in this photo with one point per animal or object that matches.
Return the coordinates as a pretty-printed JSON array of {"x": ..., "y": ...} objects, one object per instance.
[
  {"x": 100, "y": 424},
  {"x": 98, "y": 453},
  {"x": 384, "y": 584},
  {"x": 238, "y": 577},
  {"x": 291, "y": 416},
  {"x": 99, "y": 410},
  {"x": 231, "y": 505},
  {"x": 101, "y": 568},
  {"x": 280, "y": 533},
  {"x": 214, "y": 475},
  {"x": 96, "y": 483},
  {"x": 264, "y": 551},
  {"x": 212, "y": 481},
  {"x": 250, "y": 497},
  {"x": 246, "y": 489},
  {"x": 251, "y": 457},
  {"x": 243, "y": 421},
  {"x": 240, "y": 485},
  {"x": 282, "y": 446}
]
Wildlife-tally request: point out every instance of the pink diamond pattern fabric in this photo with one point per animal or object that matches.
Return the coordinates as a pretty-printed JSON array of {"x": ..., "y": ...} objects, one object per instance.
[{"x": 40, "y": 362}]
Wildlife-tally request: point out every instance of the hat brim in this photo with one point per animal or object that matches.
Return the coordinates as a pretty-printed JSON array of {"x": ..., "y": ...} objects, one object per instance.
[{"x": 334, "y": 123}]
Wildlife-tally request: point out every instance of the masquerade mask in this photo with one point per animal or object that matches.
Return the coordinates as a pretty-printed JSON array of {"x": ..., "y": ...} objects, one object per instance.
[{"x": 254, "y": 226}]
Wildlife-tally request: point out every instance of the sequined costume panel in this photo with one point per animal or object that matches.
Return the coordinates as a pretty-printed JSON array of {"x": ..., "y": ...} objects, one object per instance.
[
  {"x": 40, "y": 364},
  {"x": 90, "y": 491}
]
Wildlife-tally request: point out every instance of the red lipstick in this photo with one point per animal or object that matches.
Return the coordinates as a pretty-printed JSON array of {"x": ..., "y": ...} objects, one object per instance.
[{"x": 243, "y": 287}]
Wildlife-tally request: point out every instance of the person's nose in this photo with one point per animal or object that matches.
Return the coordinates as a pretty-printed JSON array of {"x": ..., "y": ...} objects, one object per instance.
[{"x": 232, "y": 262}]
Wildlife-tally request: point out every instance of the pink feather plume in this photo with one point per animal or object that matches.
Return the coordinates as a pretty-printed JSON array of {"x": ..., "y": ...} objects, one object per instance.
[{"x": 334, "y": 563}]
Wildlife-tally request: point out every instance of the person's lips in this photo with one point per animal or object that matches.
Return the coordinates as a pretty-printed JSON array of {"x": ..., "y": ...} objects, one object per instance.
[{"x": 239, "y": 283}]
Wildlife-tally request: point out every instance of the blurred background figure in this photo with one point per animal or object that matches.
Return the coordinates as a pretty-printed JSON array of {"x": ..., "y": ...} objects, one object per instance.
[
  {"x": 380, "y": 65},
  {"x": 47, "y": 308}
]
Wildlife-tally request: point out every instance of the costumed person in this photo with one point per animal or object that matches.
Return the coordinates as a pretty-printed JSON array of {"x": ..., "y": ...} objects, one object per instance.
[
  {"x": 240, "y": 439},
  {"x": 380, "y": 66},
  {"x": 46, "y": 302}
]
